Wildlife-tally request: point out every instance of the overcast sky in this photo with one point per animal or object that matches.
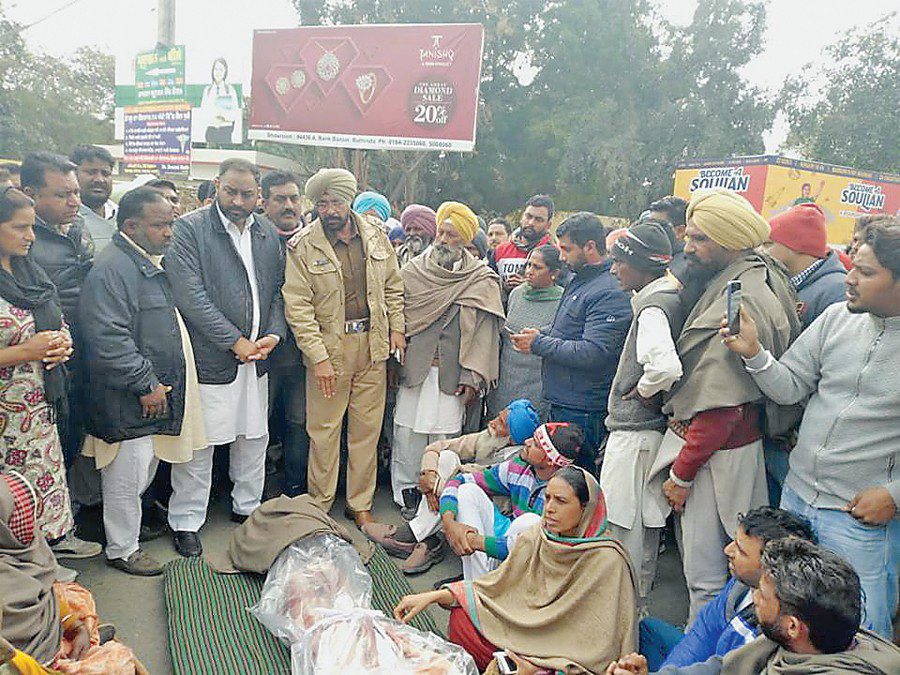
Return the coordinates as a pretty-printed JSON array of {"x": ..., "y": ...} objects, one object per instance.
[{"x": 797, "y": 29}]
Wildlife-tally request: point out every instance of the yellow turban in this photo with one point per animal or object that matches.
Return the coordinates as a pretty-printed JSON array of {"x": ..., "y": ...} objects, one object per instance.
[
  {"x": 728, "y": 219},
  {"x": 339, "y": 182},
  {"x": 461, "y": 217}
]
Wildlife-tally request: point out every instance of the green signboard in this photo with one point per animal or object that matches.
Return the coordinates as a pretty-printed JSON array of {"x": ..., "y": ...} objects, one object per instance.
[{"x": 159, "y": 75}]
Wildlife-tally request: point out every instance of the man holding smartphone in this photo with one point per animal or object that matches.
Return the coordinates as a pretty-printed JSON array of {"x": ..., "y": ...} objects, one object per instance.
[{"x": 711, "y": 458}]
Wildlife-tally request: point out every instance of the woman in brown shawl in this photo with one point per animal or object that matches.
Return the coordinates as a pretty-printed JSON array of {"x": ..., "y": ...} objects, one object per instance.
[
  {"x": 45, "y": 623},
  {"x": 564, "y": 599}
]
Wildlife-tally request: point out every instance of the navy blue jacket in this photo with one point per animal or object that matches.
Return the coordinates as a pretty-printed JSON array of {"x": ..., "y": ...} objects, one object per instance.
[
  {"x": 580, "y": 352},
  {"x": 824, "y": 287}
]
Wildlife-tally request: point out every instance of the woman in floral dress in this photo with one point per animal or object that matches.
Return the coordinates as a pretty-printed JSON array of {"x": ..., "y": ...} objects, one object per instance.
[{"x": 34, "y": 344}]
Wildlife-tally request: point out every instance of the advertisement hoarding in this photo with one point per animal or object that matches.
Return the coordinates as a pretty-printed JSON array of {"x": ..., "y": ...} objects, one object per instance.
[
  {"x": 159, "y": 75},
  {"x": 774, "y": 184},
  {"x": 404, "y": 87},
  {"x": 213, "y": 88},
  {"x": 158, "y": 139}
]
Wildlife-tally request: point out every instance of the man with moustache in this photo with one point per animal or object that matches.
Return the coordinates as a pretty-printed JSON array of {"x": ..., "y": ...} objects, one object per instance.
[
  {"x": 533, "y": 232},
  {"x": 145, "y": 399},
  {"x": 64, "y": 248},
  {"x": 343, "y": 300},
  {"x": 809, "y": 610},
  {"x": 453, "y": 317},
  {"x": 225, "y": 266},
  {"x": 843, "y": 474},
  {"x": 712, "y": 450},
  {"x": 282, "y": 203},
  {"x": 420, "y": 226},
  {"x": 93, "y": 169}
]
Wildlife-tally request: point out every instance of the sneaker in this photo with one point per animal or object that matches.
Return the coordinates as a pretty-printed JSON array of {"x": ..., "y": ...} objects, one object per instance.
[
  {"x": 65, "y": 574},
  {"x": 423, "y": 558},
  {"x": 383, "y": 534},
  {"x": 140, "y": 564},
  {"x": 73, "y": 548}
]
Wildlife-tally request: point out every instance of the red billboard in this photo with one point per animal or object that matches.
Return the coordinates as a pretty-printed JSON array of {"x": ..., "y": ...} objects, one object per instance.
[{"x": 384, "y": 87}]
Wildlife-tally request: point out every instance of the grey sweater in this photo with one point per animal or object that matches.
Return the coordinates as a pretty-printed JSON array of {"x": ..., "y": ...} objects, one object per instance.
[
  {"x": 520, "y": 374},
  {"x": 849, "y": 439}
]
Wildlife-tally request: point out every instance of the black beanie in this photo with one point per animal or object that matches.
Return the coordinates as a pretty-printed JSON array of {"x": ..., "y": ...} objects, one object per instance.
[{"x": 644, "y": 246}]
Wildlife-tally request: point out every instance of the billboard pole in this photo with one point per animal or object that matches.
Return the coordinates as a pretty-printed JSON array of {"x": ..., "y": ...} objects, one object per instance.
[{"x": 165, "y": 22}]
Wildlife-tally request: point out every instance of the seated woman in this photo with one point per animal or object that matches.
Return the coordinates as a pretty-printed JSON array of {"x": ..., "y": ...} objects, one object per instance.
[
  {"x": 45, "y": 627},
  {"x": 563, "y": 601}
]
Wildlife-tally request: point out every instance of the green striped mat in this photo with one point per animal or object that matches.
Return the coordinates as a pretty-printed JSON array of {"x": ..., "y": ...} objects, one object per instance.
[{"x": 211, "y": 632}]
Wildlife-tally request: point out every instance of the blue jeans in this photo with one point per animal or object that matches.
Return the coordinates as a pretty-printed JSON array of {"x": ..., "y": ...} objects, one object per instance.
[
  {"x": 777, "y": 455},
  {"x": 592, "y": 424},
  {"x": 657, "y": 640},
  {"x": 873, "y": 551}
]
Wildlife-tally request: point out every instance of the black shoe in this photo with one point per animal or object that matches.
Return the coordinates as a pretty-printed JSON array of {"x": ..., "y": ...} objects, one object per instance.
[
  {"x": 188, "y": 544},
  {"x": 238, "y": 517},
  {"x": 152, "y": 531}
]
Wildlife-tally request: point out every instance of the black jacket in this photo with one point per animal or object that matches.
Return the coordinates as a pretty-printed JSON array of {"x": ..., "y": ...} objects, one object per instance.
[
  {"x": 131, "y": 344},
  {"x": 212, "y": 289},
  {"x": 66, "y": 259}
]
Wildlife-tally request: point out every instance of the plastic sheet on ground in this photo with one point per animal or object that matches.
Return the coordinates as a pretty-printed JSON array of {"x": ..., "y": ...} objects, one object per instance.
[
  {"x": 366, "y": 641},
  {"x": 314, "y": 574}
]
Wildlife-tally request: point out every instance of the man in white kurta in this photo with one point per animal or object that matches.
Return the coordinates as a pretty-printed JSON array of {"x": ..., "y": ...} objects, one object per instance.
[{"x": 216, "y": 250}]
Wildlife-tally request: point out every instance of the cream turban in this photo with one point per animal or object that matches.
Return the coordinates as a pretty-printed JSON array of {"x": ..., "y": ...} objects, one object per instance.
[
  {"x": 728, "y": 219},
  {"x": 339, "y": 182},
  {"x": 461, "y": 217}
]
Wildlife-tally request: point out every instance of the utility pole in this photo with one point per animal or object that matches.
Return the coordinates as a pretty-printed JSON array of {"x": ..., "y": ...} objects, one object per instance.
[{"x": 165, "y": 23}]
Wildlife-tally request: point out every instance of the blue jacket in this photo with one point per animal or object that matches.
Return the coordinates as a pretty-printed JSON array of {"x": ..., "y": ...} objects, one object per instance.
[
  {"x": 824, "y": 287},
  {"x": 718, "y": 629},
  {"x": 580, "y": 352}
]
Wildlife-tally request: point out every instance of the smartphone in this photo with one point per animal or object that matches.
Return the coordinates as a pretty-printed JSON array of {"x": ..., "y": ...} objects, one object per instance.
[
  {"x": 733, "y": 306},
  {"x": 505, "y": 664}
]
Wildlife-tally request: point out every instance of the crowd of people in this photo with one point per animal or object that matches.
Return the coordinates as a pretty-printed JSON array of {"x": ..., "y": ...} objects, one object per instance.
[{"x": 545, "y": 401}]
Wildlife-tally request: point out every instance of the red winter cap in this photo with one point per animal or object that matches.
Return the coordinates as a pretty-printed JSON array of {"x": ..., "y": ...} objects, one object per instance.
[{"x": 801, "y": 229}]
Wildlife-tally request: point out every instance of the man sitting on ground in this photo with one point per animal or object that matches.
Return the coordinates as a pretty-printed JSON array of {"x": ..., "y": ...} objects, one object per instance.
[
  {"x": 726, "y": 622},
  {"x": 809, "y": 607},
  {"x": 419, "y": 541},
  {"x": 475, "y": 527}
]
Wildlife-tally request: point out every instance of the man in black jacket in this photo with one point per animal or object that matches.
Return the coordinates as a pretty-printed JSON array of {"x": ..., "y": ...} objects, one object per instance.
[
  {"x": 226, "y": 269},
  {"x": 64, "y": 249},
  {"x": 145, "y": 399}
]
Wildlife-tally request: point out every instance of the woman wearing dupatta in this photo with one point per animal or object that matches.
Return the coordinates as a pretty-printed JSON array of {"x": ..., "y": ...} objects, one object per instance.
[
  {"x": 564, "y": 600},
  {"x": 46, "y": 627}
]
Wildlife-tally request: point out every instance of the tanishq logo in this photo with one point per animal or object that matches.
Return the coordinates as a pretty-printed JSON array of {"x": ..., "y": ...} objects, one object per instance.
[{"x": 436, "y": 56}]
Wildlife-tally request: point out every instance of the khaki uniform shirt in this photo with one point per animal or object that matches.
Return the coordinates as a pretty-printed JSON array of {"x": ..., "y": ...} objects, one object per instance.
[
  {"x": 353, "y": 270},
  {"x": 315, "y": 298}
]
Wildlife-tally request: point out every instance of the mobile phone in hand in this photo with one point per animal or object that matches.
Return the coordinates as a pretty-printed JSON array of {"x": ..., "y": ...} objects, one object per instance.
[
  {"x": 733, "y": 306},
  {"x": 505, "y": 664}
]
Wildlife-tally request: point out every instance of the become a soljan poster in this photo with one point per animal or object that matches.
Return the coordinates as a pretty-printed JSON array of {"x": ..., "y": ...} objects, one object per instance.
[{"x": 407, "y": 87}]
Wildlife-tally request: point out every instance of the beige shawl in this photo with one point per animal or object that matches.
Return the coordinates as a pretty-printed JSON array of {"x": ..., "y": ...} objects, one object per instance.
[
  {"x": 868, "y": 654},
  {"x": 29, "y": 611},
  {"x": 714, "y": 376},
  {"x": 429, "y": 290},
  {"x": 563, "y": 603}
]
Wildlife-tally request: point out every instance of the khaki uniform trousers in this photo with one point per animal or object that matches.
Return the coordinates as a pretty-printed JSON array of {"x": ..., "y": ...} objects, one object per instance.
[{"x": 359, "y": 393}]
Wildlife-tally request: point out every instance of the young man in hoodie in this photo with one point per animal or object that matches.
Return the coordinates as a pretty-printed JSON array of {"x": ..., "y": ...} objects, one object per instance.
[
  {"x": 799, "y": 241},
  {"x": 843, "y": 469}
]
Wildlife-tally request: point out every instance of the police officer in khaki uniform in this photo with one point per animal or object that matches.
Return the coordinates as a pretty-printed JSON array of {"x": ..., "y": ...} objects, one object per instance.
[{"x": 343, "y": 299}]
